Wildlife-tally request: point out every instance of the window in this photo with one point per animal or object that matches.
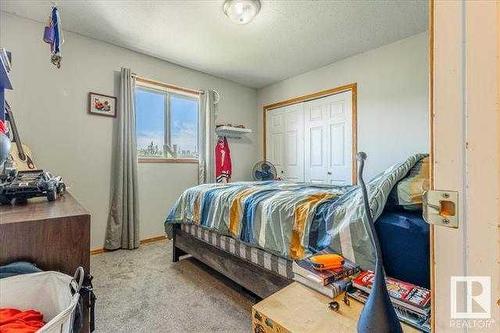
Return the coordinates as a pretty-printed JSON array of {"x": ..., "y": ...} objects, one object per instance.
[{"x": 166, "y": 124}]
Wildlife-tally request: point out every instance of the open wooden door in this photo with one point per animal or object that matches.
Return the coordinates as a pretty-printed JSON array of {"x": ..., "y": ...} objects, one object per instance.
[{"x": 465, "y": 130}]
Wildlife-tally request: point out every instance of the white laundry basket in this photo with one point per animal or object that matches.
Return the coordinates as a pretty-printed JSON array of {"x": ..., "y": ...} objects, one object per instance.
[{"x": 47, "y": 292}]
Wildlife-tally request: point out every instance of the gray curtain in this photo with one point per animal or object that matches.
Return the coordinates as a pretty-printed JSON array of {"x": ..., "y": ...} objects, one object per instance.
[
  {"x": 206, "y": 172},
  {"x": 123, "y": 221}
]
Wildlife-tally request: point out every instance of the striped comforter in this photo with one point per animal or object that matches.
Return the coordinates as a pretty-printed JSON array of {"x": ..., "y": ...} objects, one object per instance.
[{"x": 288, "y": 219}]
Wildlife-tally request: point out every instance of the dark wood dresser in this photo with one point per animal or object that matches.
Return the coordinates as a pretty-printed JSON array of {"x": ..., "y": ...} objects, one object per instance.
[{"x": 53, "y": 235}]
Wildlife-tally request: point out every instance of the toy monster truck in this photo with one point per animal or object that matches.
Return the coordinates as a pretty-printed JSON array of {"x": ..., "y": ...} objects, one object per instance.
[{"x": 24, "y": 185}]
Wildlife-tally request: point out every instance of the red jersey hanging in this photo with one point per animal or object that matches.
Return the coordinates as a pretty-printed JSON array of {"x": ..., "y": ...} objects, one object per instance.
[{"x": 223, "y": 167}]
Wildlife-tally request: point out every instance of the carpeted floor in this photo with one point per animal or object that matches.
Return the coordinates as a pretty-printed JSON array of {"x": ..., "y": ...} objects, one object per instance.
[{"x": 143, "y": 291}]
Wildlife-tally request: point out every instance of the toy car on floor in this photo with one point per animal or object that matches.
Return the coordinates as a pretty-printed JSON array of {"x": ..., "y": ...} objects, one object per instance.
[{"x": 24, "y": 185}]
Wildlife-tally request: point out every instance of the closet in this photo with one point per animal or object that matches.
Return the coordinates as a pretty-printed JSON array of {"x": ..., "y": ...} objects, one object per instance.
[{"x": 312, "y": 141}]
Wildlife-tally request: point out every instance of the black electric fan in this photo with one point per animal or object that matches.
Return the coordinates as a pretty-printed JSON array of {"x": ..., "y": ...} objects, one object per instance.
[{"x": 264, "y": 170}]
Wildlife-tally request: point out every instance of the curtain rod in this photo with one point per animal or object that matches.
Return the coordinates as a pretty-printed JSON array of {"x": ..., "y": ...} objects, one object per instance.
[
  {"x": 166, "y": 85},
  {"x": 172, "y": 86}
]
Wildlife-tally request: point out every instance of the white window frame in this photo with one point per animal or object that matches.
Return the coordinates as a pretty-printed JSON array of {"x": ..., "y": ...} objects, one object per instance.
[{"x": 169, "y": 91}]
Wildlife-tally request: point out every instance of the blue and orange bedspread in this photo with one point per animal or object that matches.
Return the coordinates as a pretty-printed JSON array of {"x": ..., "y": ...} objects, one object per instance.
[{"x": 291, "y": 220}]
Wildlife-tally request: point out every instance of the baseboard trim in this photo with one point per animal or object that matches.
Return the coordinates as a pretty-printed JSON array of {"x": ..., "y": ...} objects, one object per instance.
[
  {"x": 153, "y": 239},
  {"x": 97, "y": 251},
  {"x": 142, "y": 242}
]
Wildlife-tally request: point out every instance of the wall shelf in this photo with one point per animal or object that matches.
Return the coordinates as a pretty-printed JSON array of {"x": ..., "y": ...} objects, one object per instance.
[{"x": 232, "y": 132}]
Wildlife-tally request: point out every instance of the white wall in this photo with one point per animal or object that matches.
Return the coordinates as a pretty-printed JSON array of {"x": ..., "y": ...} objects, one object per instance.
[
  {"x": 50, "y": 107},
  {"x": 392, "y": 98},
  {"x": 51, "y": 110}
]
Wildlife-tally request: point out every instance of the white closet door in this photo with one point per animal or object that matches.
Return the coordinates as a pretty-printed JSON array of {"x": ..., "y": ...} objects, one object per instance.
[
  {"x": 340, "y": 139},
  {"x": 274, "y": 139},
  {"x": 294, "y": 143},
  {"x": 315, "y": 138},
  {"x": 285, "y": 141},
  {"x": 328, "y": 139}
]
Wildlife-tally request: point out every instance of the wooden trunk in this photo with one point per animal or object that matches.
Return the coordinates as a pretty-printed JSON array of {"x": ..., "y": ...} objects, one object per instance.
[{"x": 299, "y": 309}]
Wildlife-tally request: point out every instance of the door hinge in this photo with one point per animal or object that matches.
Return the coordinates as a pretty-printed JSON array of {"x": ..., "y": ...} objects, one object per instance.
[{"x": 441, "y": 208}]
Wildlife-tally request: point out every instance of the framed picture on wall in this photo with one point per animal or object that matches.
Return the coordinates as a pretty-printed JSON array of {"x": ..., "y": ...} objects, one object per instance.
[{"x": 102, "y": 105}]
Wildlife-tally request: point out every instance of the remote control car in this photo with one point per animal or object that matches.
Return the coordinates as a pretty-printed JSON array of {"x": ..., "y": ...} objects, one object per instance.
[{"x": 29, "y": 184}]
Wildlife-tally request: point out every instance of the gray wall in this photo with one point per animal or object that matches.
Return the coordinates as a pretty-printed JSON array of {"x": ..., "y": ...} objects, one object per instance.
[
  {"x": 50, "y": 106},
  {"x": 392, "y": 98}
]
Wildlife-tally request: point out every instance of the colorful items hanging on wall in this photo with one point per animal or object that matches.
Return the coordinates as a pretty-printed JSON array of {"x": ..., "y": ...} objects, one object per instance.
[
  {"x": 223, "y": 165},
  {"x": 53, "y": 36}
]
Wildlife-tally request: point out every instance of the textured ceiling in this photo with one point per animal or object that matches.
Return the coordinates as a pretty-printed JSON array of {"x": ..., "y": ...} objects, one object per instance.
[{"x": 286, "y": 38}]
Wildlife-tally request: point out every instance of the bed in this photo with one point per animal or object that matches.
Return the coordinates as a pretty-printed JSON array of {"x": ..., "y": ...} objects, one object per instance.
[{"x": 252, "y": 231}]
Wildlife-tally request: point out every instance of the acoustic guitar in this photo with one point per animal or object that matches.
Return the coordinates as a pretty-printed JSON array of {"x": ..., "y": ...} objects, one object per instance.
[{"x": 20, "y": 154}]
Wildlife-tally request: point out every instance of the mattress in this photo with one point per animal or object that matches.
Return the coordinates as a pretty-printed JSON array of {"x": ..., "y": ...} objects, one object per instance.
[{"x": 256, "y": 256}]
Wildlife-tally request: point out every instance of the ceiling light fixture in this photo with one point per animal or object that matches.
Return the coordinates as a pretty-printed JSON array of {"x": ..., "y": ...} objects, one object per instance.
[{"x": 241, "y": 11}]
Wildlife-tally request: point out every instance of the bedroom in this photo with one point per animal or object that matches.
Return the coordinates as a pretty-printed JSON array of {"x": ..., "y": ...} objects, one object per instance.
[{"x": 274, "y": 75}]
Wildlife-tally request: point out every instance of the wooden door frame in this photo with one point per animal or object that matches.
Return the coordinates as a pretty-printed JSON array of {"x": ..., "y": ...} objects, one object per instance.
[
  {"x": 352, "y": 87},
  {"x": 431, "y": 159},
  {"x": 464, "y": 39}
]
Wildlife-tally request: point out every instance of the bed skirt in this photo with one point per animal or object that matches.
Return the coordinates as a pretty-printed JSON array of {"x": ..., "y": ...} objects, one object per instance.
[{"x": 256, "y": 256}]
